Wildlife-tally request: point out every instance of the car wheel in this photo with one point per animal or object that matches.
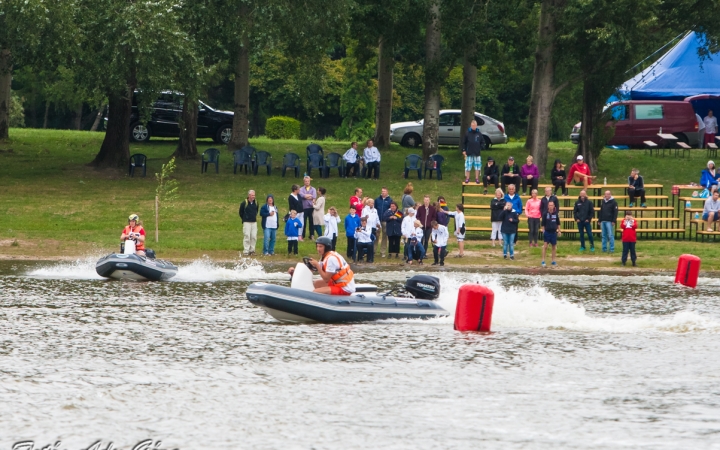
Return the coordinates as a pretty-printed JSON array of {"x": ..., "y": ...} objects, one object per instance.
[
  {"x": 139, "y": 132},
  {"x": 224, "y": 134},
  {"x": 411, "y": 140},
  {"x": 488, "y": 143},
  {"x": 682, "y": 137}
]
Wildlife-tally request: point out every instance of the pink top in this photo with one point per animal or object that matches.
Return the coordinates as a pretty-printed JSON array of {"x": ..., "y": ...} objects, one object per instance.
[{"x": 532, "y": 208}]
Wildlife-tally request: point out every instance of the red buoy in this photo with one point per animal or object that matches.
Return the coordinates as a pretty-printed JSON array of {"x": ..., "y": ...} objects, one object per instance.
[
  {"x": 688, "y": 270},
  {"x": 474, "y": 308}
]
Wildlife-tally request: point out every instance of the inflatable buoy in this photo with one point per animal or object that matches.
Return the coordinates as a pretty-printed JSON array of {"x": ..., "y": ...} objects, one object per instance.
[
  {"x": 474, "y": 308},
  {"x": 688, "y": 270}
]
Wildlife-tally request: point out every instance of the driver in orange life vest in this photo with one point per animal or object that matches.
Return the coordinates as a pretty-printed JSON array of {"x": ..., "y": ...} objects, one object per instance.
[
  {"x": 135, "y": 232},
  {"x": 336, "y": 278}
]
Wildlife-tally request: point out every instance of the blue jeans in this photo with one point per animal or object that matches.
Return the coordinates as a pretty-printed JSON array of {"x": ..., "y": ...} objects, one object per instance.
[
  {"x": 269, "y": 240},
  {"x": 608, "y": 235},
  {"x": 586, "y": 227},
  {"x": 508, "y": 244}
]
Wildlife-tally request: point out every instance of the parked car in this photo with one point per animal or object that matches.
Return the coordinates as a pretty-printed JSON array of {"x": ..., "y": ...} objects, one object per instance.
[
  {"x": 636, "y": 121},
  {"x": 165, "y": 118},
  {"x": 409, "y": 134}
]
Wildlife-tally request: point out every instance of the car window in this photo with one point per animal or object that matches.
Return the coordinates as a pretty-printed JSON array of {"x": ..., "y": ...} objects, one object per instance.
[
  {"x": 619, "y": 112},
  {"x": 479, "y": 120},
  {"x": 648, "y": 112},
  {"x": 447, "y": 120}
]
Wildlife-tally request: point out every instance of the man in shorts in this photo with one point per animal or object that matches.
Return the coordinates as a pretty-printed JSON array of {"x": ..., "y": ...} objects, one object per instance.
[
  {"x": 473, "y": 142},
  {"x": 550, "y": 227}
]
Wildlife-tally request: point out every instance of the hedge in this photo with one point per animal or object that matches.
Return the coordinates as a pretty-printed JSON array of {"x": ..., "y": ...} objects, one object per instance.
[{"x": 281, "y": 127}]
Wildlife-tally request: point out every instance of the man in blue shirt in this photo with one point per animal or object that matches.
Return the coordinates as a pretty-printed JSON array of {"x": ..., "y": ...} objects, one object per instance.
[{"x": 382, "y": 204}]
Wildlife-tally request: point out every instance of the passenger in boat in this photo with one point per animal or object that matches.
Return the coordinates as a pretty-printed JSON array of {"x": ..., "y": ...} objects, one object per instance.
[
  {"x": 135, "y": 232},
  {"x": 336, "y": 277}
]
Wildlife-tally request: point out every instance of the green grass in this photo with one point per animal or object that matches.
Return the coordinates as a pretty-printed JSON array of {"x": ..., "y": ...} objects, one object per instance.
[{"x": 53, "y": 204}]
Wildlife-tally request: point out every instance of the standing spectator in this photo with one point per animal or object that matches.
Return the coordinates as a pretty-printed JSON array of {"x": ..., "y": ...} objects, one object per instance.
[
  {"x": 510, "y": 175},
  {"x": 490, "y": 175},
  {"x": 711, "y": 126},
  {"x": 318, "y": 214},
  {"x": 514, "y": 199},
  {"x": 439, "y": 238},
  {"x": 248, "y": 214},
  {"x": 382, "y": 204},
  {"x": 393, "y": 228},
  {"x": 269, "y": 214},
  {"x": 459, "y": 216},
  {"x": 580, "y": 173},
  {"x": 371, "y": 155},
  {"x": 701, "y": 130},
  {"x": 351, "y": 160},
  {"x": 547, "y": 199},
  {"x": 497, "y": 205},
  {"x": 292, "y": 232},
  {"x": 530, "y": 175},
  {"x": 550, "y": 230},
  {"x": 629, "y": 237},
  {"x": 373, "y": 219},
  {"x": 356, "y": 201},
  {"x": 709, "y": 177},
  {"x": 473, "y": 142},
  {"x": 559, "y": 179},
  {"x": 295, "y": 202},
  {"x": 509, "y": 229},
  {"x": 332, "y": 219},
  {"x": 308, "y": 194},
  {"x": 636, "y": 188},
  {"x": 407, "y": 200},
  {"x": 532, "y": 211},
  {"x": 441, "y": 211},
  {"x": 711, "y": 211},
  {"x": 408, "y": 227},
  {"x": 608, "y": 218},
  {"x": 364, "y": 241},
  {"x": 426, "y": 214},
  {"x": 352, "y": 221},
  {"x": 583, "y": 213}
]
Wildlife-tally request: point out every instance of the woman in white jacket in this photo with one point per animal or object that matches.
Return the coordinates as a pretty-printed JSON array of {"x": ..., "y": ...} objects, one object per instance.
[
  {"x": 319, "y": 211},
  {"x": 332, "y": 219},
  {"x": 373, "y": 220},
  {"x": 408, "y": 225}
]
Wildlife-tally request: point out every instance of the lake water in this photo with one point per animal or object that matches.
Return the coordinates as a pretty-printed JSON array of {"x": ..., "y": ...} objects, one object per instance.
[{"x": 574, "y": 361}]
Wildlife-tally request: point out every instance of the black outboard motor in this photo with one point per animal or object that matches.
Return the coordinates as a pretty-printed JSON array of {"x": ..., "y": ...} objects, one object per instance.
[{"x": 424, "y": 287}]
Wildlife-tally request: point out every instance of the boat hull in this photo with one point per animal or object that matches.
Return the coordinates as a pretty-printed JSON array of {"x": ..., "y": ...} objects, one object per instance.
[
  {"x": 134, "y": 267},
  {"x": 295, "y": 306}
]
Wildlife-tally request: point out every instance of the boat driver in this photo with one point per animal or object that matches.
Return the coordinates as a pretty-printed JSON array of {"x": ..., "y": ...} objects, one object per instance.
[
  {"x": 336, "y": 277},
  {"x": 134, "y": 231}
]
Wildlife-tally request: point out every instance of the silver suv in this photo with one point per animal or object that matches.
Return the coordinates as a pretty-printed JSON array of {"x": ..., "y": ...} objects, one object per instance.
[{"x": 409, "y": 134}]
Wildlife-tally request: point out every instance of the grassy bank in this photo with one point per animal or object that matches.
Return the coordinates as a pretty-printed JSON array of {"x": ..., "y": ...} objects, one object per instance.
[{"x": 52, "y": 204}]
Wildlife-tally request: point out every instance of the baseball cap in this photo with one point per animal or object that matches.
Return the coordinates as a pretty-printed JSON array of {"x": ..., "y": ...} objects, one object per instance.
[
  {"x": 580, "y": 157},
  {"x": 510, "y": 157},
  {"x": 411, "y": 211}
]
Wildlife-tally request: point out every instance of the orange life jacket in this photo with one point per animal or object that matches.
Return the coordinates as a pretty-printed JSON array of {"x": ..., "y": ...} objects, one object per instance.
[
  {"x": 342, "y": 277},
  {"x": 138, "y": 245}
]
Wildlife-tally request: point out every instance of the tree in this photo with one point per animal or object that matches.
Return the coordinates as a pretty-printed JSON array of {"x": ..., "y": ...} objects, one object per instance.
[
  {"x": 357, "y": 99},
  {"x": 434, "y": 70}
]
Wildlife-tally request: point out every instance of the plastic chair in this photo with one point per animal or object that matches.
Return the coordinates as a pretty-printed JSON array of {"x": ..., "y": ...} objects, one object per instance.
[
  {"x": 244, "y": 158},
  {"x": 291, "y": 161},
  {"x": 137, "y": 160},
  {"x": 434, "y": 163},
  {"x": 210, "y": 156},
  {"x": 316, "y": 161},
  {"x": 314, "y": 149},
  {"x": 263, "y": 159},
  {"x": 334, "y": 161},
  {"x": 413, "y": 162}
]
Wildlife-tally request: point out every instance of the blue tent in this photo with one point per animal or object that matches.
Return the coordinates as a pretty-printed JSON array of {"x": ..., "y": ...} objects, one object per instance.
[{"x": 679, "y": 73}]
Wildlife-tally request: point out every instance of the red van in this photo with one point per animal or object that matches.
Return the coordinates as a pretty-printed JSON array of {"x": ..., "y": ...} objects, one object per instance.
[{"x": 636, "y": 121}]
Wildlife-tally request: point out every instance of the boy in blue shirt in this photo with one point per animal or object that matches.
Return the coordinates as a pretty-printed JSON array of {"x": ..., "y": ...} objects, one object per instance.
[
  {"x": 292, "y": 231},
  {"x": 352, "y": 221}
]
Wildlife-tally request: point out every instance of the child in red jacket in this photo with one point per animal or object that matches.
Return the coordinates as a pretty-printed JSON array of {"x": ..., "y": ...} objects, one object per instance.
[{"x": 629, "y": 237}]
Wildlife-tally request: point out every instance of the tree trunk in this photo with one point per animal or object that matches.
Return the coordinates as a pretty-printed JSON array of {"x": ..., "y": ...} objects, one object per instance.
[
  {"x": 240, "y": 132},
  {"x": 98, "y": 118},
  {"x": 47, "y": 114},
  {"x": 383, "y": 110},
  {"x": 544, "y": 90},
  {"x": 77, "y": 125},
  {"x": 469, "y": 94},
  {"x": 5, "y": 86},
  {"x": 187, "y": 145},
  {"x": 115, "y": 149},
  {"x": 593, "y": 135},
  {"x": 433, "y": 81}
]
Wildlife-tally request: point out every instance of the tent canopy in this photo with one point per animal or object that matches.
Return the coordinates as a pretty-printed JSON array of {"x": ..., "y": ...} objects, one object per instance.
[{"x": 679, "y": 73}]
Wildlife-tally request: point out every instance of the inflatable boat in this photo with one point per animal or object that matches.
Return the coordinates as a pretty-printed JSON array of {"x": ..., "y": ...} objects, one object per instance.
[
  {"x": 299, "y": 304},
  {"x": 129, "y": 266}
]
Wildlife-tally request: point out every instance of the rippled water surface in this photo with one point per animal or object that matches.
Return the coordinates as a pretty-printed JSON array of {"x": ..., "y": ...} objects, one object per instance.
[{"x": 574, "y": 362}]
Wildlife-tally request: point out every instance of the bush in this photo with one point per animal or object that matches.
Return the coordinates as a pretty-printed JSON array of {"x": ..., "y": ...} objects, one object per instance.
[
  {"x": 17, "y": 113},
  {"x": 281, "y": 127}
]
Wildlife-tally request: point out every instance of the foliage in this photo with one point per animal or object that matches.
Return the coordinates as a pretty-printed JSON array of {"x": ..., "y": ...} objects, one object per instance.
[
  {"x": 281, "y": 127},
  {"x": 167, "y": 187},
  {"x": 357, "y": 98},
  {"x": 17, "y": 114}
]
